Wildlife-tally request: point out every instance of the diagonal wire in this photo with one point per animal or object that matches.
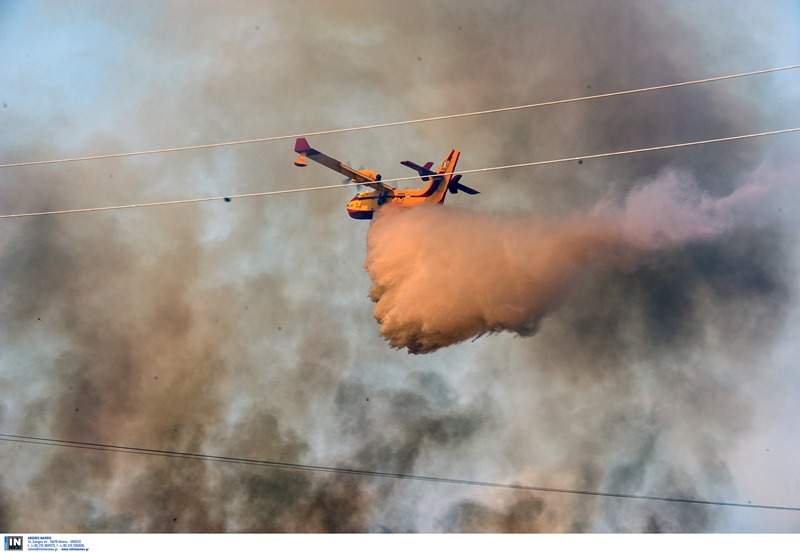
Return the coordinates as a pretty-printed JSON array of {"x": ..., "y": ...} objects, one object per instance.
[
  {"x": 400, "y": 123},
  {"x": 370, "y": 473},
  {"x": 469, "y": 171}
]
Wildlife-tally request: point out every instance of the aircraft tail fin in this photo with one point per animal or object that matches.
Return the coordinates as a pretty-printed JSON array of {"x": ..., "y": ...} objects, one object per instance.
[{"x": 447, "y": 172}]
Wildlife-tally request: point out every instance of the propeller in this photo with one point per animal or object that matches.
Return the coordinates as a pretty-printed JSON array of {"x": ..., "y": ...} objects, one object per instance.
[
  {"x": 455, "y": 185},
  {"x": 348, "y": 180}
]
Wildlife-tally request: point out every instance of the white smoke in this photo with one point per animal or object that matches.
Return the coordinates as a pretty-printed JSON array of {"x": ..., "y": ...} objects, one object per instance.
[{"x": 441, "y": 275}]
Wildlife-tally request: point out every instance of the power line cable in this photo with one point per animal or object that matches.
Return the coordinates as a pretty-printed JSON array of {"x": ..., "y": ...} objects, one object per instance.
[
  {"x": 400, "y": 123},
  {"x": 179, "y": 201},
  {"x": 402, "y": 179},
  {"x": 370, "y": 473}
]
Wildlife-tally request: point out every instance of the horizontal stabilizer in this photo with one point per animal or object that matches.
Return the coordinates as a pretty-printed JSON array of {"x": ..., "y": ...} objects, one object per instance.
[
  {"x": 455, "y": 186},
  {"x": 424, "y": 171}
]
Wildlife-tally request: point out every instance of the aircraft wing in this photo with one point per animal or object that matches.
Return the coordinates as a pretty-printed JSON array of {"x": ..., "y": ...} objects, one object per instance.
[{"x": 370, "y": 179}]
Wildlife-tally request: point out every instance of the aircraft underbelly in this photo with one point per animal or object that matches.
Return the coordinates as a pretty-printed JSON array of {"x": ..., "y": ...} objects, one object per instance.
[{"x": 360, "y": 214}]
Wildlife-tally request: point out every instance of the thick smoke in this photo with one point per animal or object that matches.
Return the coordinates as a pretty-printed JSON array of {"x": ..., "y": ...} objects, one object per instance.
[
  {"x": 443, "y": 275},
  {"x": 658, "y": 283}
]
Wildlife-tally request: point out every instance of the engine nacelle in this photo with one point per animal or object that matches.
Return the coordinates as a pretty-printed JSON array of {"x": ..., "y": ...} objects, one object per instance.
[{"x": 372, "y": 175}]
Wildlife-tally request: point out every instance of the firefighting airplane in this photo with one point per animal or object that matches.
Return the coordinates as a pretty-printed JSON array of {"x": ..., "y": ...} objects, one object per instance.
[{"x": 364, "y": 204}]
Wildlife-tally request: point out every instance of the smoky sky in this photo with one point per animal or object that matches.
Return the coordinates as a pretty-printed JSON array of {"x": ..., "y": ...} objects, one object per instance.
[{"x": 246, "y": 329}]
